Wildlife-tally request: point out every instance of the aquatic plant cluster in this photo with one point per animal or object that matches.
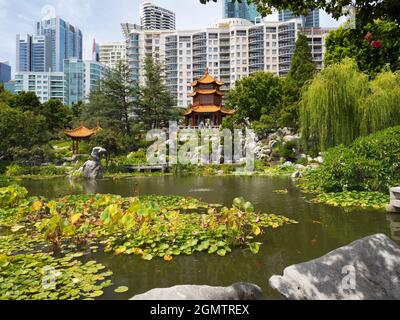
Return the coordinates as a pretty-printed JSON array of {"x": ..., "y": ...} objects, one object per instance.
[
  {"x": 354, "y": 199},
  {"x": 37, "y": 233}
]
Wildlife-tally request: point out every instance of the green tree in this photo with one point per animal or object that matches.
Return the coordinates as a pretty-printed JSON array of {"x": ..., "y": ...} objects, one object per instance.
[
  {"x": 380, "y": 108},
  {"x": 20, "y": 129},
  {"x": 373, "y": 46},
  {"x": 302, "y": 70},
  {"x": 302, "y": 67},
  {"x": 329, "y": 112},
  {"x": 156, "y": 107},
  {"x": 114, "y": 100},
  {"x": 26, "y": 101},
  {"x": 367, "y": 10},
  {"x": 57, "y": 115},
  {"x": 256, "y": 95}
]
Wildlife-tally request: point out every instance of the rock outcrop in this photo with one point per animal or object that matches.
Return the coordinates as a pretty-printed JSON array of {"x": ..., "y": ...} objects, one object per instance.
[
  {"x": 93, "y": 169},
  {"x": 367, "y": 269},
  {"x": 238, "y": 291}
]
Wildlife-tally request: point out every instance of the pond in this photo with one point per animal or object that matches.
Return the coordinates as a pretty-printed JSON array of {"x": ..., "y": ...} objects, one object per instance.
[{"x": 321, "y": 230}]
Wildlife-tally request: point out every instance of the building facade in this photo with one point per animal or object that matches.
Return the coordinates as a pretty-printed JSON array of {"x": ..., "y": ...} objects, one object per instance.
[
  {"x": 110, "y": 54},
  {"x": 93, "y": 73},
  {"x": 46, "y": 85},
  {"x": 156, "y": 18},
  {"x": 81, "y": 77},
  {"x": 74, "y": 80},
  {"x": 23, "y": 61},
  {"x": 311, "y": 20},
  {"x": 231, "y": 49},
  {"x": 240, "y": 10},
  {"x": 54, "y": 41},
  {"x": 5, "y": 72}
]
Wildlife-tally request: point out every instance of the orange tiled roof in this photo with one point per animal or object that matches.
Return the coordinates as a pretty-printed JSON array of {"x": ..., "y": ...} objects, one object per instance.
[
  {"x": 82, "y": 132},
  {"x": 207, "y": 79},
  {"x": 206, "y": 92},
  {"x": 208, "y": 109}
]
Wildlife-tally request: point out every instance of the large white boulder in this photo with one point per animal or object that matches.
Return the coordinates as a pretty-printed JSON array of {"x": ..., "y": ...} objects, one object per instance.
[{"x": 367, "y": 269}]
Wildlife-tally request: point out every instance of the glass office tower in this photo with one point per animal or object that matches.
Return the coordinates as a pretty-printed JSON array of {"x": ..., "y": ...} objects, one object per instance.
[
  {"x": 240, "y": 10},
  {"x": 311, "y": 20},
  {"x": 65, "y": 41}
]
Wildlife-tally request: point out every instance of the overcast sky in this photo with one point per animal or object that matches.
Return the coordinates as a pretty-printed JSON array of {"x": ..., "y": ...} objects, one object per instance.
[{"x": 100, "y": 19}]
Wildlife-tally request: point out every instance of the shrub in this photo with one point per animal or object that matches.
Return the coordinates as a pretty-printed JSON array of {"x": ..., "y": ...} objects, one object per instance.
[
  {"x": 11, "y": 195},
  {"x": 15, "y": 170},
  {"x": 369, "y": 164}
]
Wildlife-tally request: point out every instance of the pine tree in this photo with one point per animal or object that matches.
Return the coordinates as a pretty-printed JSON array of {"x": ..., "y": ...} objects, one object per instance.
[
  {"x": 303, "y": 67},
  {"x": 114, "y": 100},
  {"x": 156, "y": 107}
]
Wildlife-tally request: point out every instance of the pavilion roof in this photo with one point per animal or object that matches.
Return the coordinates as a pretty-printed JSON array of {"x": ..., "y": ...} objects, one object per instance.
[
  {"x": 82, "y": 132},
  {"x": 207, "y": 79},
  {"x": 206, "y": 92}
]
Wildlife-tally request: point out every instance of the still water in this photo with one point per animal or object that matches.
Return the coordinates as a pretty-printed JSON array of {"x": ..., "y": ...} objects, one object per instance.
[{"x": 321, "y": 229}]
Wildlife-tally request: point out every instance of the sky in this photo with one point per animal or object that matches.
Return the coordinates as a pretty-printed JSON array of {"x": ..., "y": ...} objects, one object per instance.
[{"x": 100, "y": 19}]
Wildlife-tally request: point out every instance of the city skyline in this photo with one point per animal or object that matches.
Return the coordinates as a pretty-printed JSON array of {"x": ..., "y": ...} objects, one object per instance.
[{"x": 20, "y": 17}]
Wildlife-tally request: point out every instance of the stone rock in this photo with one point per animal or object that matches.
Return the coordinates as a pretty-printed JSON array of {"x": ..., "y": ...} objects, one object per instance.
[
  {"x": 93, "y": 169},
  {"x": 287, "y": 164},
  {"x": 297, "y": 175},
  {"x": 238, "y": 291},
  {"x": 299, "y": 167},
  {"x": 290, "y": 138},
  {"x": 367, "y": 269}
]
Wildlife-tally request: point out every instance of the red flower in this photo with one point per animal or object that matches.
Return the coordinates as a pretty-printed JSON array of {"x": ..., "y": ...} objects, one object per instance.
[
  {"x": 368, "y": 36},
  {"x": 376, "y": 44}
]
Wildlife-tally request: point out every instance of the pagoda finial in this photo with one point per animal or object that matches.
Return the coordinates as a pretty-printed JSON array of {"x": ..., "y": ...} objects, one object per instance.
[{"x": 206, "y": 71}]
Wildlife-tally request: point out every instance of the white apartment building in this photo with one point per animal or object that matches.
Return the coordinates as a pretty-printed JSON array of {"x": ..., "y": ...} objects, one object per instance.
[
  {"x": 156, "y": 18},
  {"x": 111, "y": 53},
  {"x": 46, "y": 85},
  {"x": 231, "y": 49}
]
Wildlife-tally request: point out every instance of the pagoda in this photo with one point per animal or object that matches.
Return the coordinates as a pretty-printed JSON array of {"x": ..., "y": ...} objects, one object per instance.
[
  {"x": 207, "y": 108},
  {"x": 80, "y": 134}
]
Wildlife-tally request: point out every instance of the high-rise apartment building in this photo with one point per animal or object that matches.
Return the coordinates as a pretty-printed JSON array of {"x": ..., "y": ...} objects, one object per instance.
[
  {"x": 156, "y": 18},
  {"x": 5, "y": 72},
  {"x": 46, "y": 85},
  {"x": 110, "y": 54},
  {"x": 240, "y": 10},
  {"x": 231, "y": 49},
  {"x": 311, "y": 20}
]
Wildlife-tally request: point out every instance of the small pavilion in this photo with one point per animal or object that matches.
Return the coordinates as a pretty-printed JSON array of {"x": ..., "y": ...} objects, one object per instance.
[
  {"x": 80, "y": 134},
  {"x": 207, "y": 108}
]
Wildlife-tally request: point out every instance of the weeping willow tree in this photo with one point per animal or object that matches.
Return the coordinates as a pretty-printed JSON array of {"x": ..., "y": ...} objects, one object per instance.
[
  {"x": 329, "y": 111},
  {"x": 381, "y": 109}
]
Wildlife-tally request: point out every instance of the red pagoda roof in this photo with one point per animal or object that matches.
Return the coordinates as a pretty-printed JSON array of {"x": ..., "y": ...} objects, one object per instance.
[{"x": 207, "y": 79}]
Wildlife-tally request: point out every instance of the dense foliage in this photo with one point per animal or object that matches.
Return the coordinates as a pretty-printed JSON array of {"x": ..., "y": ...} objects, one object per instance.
[
  {"x": 329, "y": 112},
  {"x": 341, "y": 104},
  {"x": 374, "y": 46},
  {"x": 380, "y": 108},
  {"x": 370, "y": 163}
]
